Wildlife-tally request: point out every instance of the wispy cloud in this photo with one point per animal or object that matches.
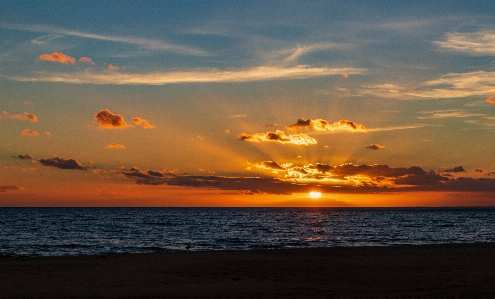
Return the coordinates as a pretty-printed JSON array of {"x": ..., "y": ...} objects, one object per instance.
[
  {"x": 474, "y": 43},
  {"x": 28, "y": 132},
  {"x": 143, "y": 122},
  {"x": 26, "y": 116},
  {"x": 457, "y": 85},
  {"x": 448, "y": 114},
  {"x": 9, "y": 188},
  {"x": 86, "y": 60},
  {"x": 278, "y": 136},
  {"x": 200, "y": 76},
  {"x": 115, "y": 145},
  {"x": 145, "y": 43}
]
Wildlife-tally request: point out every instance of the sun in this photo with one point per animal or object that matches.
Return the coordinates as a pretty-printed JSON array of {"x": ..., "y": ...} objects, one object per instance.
[{"x": 314, "y": 194}]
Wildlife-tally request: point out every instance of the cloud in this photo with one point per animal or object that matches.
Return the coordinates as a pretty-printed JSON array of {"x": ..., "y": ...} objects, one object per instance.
[
  {"x": 58, "y": 57},
  {"x": 455, "y": 169},
  {"x": 475, "y": 43},
  {"x": 375, "y": 146},
  {"x": 115, "y": 145},
  {"x": 23, "y": 157},
  {"x": 457, "y": 85},
  {"x": 86, "y": 60},
  {"x": 27, "y": 132},
  {"x": 146, "y": 43},
  {"x": 143, "y": 122},
  {"x": 448, "y": 114},
  {"x": 261, "y": 73},
  {"x": 108, "y": 120},
  {"x": 62, "y": 163},
  {"x": 490, "y": 100},
  {"x": 342, "y": 125},
  {"x": 278, "y": 136},
  {"x": 27, "y": 116},
  {"x": 291, "y": 178},
  {"x": 113, "y": 67},
  {"x": 9, "y": 188}
]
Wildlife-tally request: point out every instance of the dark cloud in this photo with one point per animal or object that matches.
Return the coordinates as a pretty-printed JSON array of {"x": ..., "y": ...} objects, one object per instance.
[
  {"x": 375, "y": 146},
  {"x": 62, "y": 163},
  {"x": 278, "y": 136},
  {"x": 108, "y": 120},
  {"x": 342, "y": 125},
  {"x": 9, "y": 188},
  {"x": 348, "y": 178},
  {"x": 455, "y": 169},
  {"x": 29, "y": 157}
]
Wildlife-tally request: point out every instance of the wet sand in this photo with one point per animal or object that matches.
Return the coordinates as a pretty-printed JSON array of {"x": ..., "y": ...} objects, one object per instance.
[{"x": 426, "y": 271}]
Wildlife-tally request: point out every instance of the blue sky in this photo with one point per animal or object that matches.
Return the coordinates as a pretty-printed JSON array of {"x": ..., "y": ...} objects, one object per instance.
[{"x": 266, "y": 89}]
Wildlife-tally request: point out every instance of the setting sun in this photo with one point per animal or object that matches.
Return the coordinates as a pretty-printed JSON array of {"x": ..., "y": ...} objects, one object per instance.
[{"x": 314, "y": 194}]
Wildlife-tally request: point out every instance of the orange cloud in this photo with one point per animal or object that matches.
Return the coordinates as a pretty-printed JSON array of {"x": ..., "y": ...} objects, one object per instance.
[
  {"x": 143, "y": 122},
  {"x": 345, "y": 76},
  {"x": 86, "y": 60},
  {"x": 323, "y": 125},
  {"x": 115, "y": 145},
  {"x": 58, "y": 57},
  {"x": 490, "y": 100},
  {"x": 27, "y": 116},
  {"x": 278, "y": 136},
  {"x": 113, "y": 67},
  {"x": 108, "y": 120},
  {"x": 27, "y": 132},
  {"x": 375, "y": 146}
]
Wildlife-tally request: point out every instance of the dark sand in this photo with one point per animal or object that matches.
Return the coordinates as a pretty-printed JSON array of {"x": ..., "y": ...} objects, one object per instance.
[{"x": 428, "y": 271}]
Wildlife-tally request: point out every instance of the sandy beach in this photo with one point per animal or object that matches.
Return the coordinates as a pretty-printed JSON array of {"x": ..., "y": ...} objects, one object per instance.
[{"x": 426, "y": 271}]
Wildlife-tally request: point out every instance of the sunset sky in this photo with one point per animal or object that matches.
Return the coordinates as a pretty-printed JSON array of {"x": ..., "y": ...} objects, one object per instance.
[{"x": 247, "y": 103}]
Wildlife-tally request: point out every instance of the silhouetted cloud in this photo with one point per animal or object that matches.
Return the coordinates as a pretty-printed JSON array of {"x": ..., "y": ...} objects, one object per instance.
[
  {"x": 86, "y": 60},
  {"x": 342, "y": 125},
  {"x": 108, "y": 120},
  {"x": 375, "y": 146},
  {"x": 58, "y": 57},
  {"x": 27, "y": 132},
  {"x": 345, "y": 178},
  {"x": 62, "y": 163},
  {"x": 278, "y": 136},
  {"x": 455, "y": 169},
  {"x": 115, "y": 145},
  {"x": 26, "y": 116},
  {"x": 143, "y": 122}
]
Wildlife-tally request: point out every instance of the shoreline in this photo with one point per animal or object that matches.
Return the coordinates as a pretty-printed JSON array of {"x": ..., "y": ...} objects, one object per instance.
[{"x": 417, "y": 271}]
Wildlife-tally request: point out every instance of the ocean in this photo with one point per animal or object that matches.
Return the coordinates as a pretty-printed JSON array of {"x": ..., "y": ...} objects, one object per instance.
[{"x": 94, "y": 231}]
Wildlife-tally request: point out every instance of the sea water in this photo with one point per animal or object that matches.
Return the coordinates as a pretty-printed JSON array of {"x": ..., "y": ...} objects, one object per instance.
[{"x": 91, "y": 231}]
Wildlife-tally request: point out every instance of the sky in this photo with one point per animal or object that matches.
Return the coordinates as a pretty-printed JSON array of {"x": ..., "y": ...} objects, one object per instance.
[{"x": 247, "y": 103}]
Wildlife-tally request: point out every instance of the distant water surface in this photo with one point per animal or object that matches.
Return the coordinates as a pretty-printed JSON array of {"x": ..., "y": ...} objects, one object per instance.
[{"x": 78, "y": 231}]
